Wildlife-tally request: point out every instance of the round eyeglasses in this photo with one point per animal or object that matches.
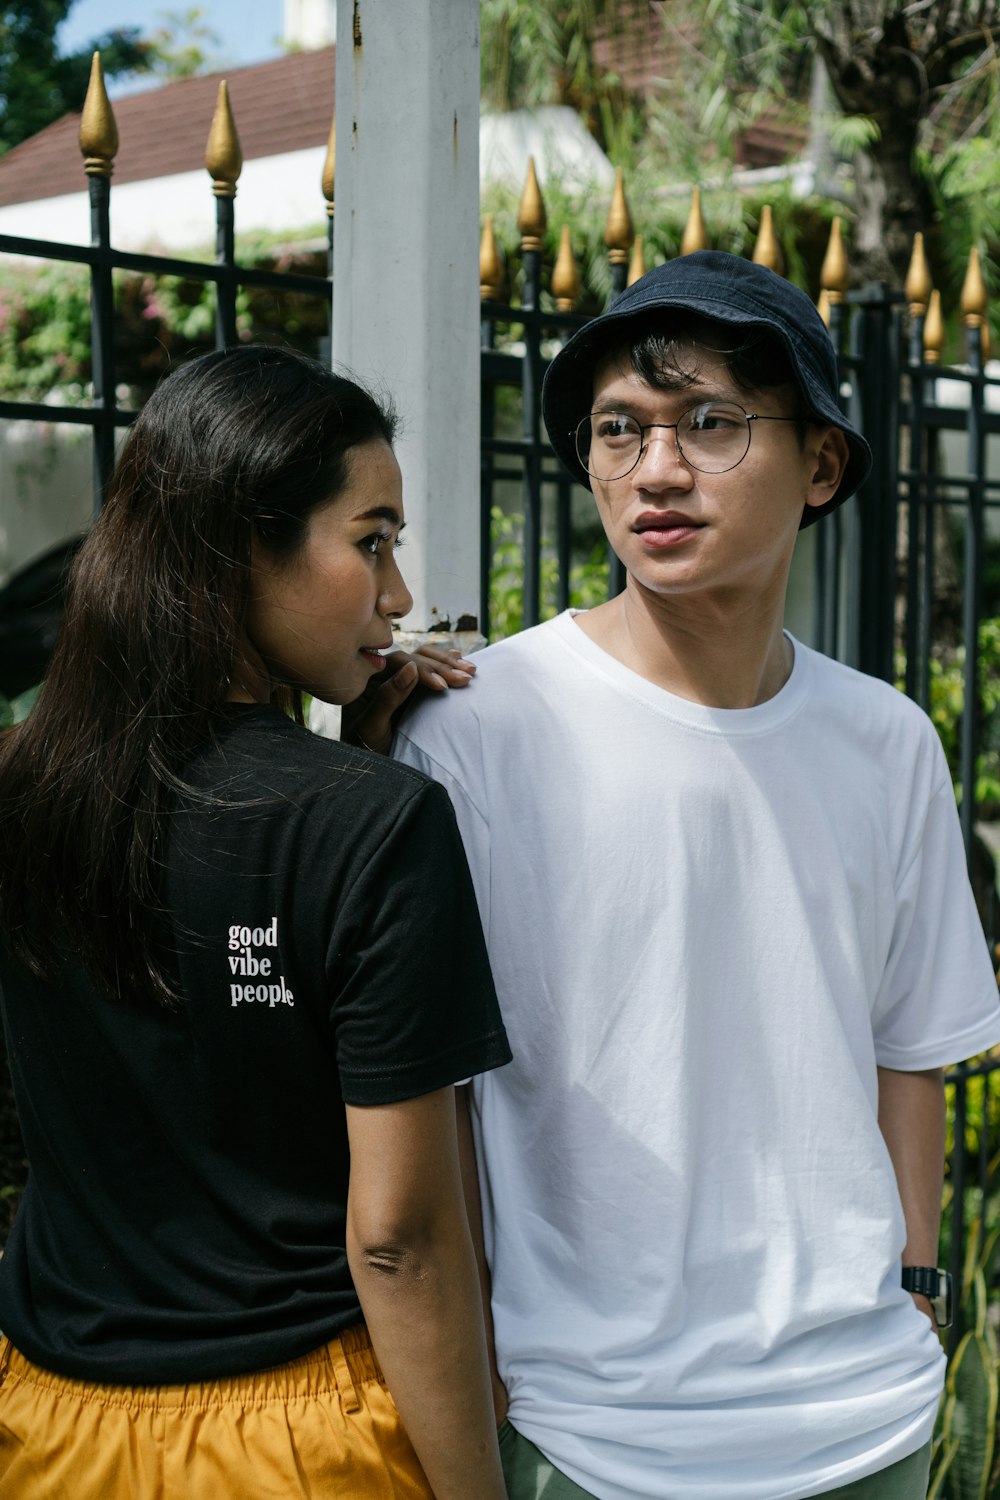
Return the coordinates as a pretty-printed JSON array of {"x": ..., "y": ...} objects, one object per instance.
[{"x": 712, "y": 437}]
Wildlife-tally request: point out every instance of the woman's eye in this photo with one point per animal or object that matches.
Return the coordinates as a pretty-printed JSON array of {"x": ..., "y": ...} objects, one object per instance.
[{"x": 378, "y": 540}]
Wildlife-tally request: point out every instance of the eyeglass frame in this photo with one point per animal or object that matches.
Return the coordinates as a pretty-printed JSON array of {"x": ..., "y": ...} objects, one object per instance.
[{"x": 644, "y": 427}]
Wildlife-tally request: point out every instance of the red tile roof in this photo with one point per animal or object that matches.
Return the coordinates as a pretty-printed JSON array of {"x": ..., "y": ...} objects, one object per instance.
[{"x": 284, "y": 105}]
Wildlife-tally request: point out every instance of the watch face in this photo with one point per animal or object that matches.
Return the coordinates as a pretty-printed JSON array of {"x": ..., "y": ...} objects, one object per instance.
[{"x": 942, "y": 1302}]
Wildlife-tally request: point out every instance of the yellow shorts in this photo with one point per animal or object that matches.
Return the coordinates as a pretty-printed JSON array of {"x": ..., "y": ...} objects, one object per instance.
[{"x": 321, "y": 1427}]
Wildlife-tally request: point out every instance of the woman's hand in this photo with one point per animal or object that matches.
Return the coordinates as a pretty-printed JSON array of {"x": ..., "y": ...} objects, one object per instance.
[{"x": 371, "y": 719}]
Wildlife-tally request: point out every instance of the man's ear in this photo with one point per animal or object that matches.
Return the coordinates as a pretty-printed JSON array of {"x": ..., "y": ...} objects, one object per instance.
[{"x": 827, "y": 456}]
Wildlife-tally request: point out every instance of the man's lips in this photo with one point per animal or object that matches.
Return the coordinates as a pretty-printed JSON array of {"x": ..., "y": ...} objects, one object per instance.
[{"x": 665, "y": 528}]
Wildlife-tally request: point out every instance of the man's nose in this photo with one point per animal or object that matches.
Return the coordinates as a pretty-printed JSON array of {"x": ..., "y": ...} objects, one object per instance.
[{"x": 661, "y": 460}]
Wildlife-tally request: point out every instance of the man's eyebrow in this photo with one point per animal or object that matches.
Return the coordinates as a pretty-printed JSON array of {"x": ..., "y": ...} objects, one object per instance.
[{"x": 697, "y": 393}]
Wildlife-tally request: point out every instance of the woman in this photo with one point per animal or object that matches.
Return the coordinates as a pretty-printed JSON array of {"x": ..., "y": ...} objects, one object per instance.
[{"x": 234, "y": 957}]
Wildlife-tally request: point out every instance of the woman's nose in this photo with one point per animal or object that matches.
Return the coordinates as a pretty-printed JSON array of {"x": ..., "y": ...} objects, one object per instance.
[{"x": 396, "y": 599}]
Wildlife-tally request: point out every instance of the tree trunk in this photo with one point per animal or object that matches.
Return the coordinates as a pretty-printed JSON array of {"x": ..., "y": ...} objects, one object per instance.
[{"x": 892, "y": 204}]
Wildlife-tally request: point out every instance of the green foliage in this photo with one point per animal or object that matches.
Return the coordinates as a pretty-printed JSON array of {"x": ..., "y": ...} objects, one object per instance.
[
  {"x": 588, "y": 580},
  {"x": 965, "y": 1440},
  {"x": 971, "y": 1411},
  {"x": 947, "y": 705},
  {"x": 850, "y": 134},
  {"x": 45, "y": 320},
  {"x": 536, "y": 52},
  {"x": 38, "y": 86},
  {"x": 44, "y": 328},
  {"x": 182, "y": 45},
  {"x": 16, "y": 710}
]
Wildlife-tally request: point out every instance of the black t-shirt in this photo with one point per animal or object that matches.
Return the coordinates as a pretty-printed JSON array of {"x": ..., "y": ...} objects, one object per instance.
[{"x": 186, "y": 1207}]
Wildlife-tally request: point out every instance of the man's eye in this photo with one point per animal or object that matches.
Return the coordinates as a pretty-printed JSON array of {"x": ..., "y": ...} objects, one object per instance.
[
  {"x": 611, "y": 427},
  {"x": 722, "y": 419}
]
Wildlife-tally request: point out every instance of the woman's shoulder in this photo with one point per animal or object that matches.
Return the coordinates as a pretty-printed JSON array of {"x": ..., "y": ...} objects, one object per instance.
[{"x": 260, "y": 756}]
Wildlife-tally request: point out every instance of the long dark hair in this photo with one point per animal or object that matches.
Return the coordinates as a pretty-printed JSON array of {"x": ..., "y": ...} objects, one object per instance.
[{"x": 232, "y": 446}]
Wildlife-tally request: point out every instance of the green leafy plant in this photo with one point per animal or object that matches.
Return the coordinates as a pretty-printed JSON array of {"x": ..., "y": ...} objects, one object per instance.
[
  {"x": 45, "y": 316},
  {"x": 947, "y": 705},
  {"x": 16, "y": 710},
  {"x": 588, "y": 580},
  {"x": 963, "y": 1456}
]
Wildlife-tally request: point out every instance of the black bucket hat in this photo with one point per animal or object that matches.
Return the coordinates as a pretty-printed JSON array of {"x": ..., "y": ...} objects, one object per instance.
[{"x": 730, "y": 290}]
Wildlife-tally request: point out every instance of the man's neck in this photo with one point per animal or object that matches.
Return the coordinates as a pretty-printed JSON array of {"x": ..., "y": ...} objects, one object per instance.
[{"x": 722, "y": 652}]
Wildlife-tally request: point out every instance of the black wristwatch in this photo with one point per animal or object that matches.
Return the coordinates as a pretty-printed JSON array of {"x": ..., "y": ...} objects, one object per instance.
[{"x": 935, "y": 1285}]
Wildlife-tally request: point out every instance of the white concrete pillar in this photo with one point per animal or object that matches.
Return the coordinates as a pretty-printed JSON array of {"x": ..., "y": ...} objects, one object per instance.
[{"x": 406, "y": 269}]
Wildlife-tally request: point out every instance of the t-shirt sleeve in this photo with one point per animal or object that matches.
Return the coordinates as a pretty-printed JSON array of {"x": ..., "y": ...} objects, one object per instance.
[
  {"x": 938, "y": 1002},
  {"x": 472, "y": 823},
  {"x": 413, "y": 1007}
]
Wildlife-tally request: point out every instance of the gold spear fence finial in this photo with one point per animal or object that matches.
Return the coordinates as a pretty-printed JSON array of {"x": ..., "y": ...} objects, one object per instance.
[
  {"x": 98, "y": 131},
  {"x": 695, "y": 236},
  {"x": 974, "y": 301},
  {"x": 637, "y": 265},
  {"x": 767, "y": 251},
  {"x": 490, "y": 264},
  {"x": 223, "y": 157},
  {"x": 330, "y": 168},
  {"x": 918, "y": 285},
  {"x": 531, "y": 216},
  {"x": 823, "y": 307},
  {"x": 933, "y": 330},
  {"x": 833, "y": 272},
  {"x": 618, "y": 231},
  {"x": 565, "y": 283}
]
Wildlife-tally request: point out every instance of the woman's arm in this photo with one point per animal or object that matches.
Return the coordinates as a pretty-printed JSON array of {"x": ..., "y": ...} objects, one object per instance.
[{"x": 411, "y": 1257}]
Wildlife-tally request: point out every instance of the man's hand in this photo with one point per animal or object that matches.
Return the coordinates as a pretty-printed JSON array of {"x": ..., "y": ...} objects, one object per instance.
[
  {"x": 371, "y": 719},
  {"x": 925, "y": 1307}
]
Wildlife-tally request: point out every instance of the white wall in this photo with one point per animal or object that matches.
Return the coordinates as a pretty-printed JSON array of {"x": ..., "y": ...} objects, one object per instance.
[{"x": 177, "y": 214}]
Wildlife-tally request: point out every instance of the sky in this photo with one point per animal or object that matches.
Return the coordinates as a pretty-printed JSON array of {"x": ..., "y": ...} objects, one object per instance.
[{"x": 248, "y": 30}]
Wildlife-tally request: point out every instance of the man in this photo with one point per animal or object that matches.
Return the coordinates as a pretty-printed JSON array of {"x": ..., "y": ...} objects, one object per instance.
[{"x": 724, "y": 894}]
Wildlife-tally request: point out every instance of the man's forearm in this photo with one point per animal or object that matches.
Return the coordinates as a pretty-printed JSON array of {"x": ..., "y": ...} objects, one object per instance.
[{"x": 911, "y": 1117}]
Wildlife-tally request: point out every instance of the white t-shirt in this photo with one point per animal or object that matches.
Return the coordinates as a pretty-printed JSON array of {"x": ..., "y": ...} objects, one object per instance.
[{"x": 707, "y": 927}]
